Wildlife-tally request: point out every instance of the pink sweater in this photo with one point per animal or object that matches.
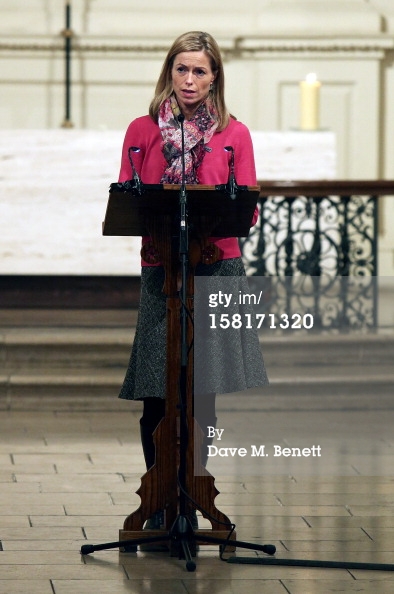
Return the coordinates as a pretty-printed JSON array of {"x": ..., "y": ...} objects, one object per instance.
[{"x": 150, "y": 163}]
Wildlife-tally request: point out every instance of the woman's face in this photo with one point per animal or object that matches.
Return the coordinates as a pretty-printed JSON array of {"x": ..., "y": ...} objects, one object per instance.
[{"x": 191, "y": 79}]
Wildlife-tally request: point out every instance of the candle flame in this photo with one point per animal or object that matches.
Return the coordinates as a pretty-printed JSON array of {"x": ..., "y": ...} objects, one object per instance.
[{"x": 311, "y": 77}]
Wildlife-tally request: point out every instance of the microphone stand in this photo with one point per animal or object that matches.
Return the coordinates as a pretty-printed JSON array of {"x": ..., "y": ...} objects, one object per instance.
[
  {"x": 183, "y": 250},
  {"x": 182, "y": 530}
]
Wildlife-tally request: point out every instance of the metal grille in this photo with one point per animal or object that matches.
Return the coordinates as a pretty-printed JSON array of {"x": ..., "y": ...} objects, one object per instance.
[{"x": 317, "y": 244}]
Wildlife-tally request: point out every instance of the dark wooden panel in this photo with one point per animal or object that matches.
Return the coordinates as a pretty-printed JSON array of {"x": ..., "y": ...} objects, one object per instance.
[{"x": 314, "y": 188}]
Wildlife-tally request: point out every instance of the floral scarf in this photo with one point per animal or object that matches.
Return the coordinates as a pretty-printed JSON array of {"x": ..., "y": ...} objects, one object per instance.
[{"x": 198, "y": 132}]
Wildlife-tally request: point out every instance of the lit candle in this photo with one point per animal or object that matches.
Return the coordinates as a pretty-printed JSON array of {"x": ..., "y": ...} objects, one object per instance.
[{"x": 309, "y": 104}]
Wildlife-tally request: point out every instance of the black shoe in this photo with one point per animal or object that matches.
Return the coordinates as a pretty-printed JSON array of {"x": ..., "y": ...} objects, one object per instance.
[{"x": 155, "y": 522}]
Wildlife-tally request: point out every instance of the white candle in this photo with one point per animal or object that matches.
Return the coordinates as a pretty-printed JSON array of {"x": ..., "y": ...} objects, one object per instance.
[{"x": 309, "y": 102}]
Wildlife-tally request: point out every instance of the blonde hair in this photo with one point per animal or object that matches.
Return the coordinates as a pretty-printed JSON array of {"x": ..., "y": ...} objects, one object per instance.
[{"x": 193, "y": 41}]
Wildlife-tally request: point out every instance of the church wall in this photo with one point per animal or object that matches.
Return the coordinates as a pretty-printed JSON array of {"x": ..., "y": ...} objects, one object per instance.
[{"x": 268, "y": 46}]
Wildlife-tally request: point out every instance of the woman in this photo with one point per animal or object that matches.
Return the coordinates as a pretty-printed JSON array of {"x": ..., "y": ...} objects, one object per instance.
[{"x": 191, "y": 83}]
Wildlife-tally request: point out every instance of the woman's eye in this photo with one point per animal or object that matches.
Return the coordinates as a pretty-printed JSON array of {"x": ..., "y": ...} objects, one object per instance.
[{"x": 182, "y": 70}]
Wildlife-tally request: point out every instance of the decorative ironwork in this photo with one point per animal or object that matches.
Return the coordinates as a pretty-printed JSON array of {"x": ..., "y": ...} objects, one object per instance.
[{"x": 317, "y": 244}]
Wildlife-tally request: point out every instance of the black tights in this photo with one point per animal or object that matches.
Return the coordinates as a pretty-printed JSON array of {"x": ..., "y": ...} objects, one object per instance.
[
  {"x": 153, "y": 412},
  {"x": 205, "y": 414}
]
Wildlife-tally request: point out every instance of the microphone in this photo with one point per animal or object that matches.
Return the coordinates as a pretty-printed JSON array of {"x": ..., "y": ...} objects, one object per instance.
[
  {"x": 138, "y": 185},
  {"x": 232, "y": 187}
]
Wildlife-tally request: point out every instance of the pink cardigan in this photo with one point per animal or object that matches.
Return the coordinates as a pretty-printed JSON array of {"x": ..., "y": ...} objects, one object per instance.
[{"x": 150, "y": 164}]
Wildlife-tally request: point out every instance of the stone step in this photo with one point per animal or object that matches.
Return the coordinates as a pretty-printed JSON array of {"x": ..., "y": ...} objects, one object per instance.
[
  {"x": 315, "y": 380},
  {"x": 103, "y": 382},
  {"x": 67, "y": 318},
  {"x": 331, "y": 390},
  {"x": 80, "y": 361},
  {"x": 37, "y": 348}
]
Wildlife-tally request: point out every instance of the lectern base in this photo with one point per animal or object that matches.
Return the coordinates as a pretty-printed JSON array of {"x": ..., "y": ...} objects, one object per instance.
[{"x": 127, "y": 535}]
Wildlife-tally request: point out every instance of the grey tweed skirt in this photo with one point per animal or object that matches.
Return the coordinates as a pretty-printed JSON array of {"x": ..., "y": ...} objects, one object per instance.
[{"x": 223, "y": 361}]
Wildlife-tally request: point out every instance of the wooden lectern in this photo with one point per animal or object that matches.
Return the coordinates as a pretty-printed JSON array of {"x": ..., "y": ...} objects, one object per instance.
[{"x": 211, "y": 211}]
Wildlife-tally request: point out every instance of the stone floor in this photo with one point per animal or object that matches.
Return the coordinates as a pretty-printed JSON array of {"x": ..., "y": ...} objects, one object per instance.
[
  {"x": 69, "y": 478},
  {"x": 69, "y": 470}
]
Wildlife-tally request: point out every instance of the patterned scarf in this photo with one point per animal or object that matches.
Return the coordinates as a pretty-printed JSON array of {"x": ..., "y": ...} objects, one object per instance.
[{"x": 198, "y": 132}]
